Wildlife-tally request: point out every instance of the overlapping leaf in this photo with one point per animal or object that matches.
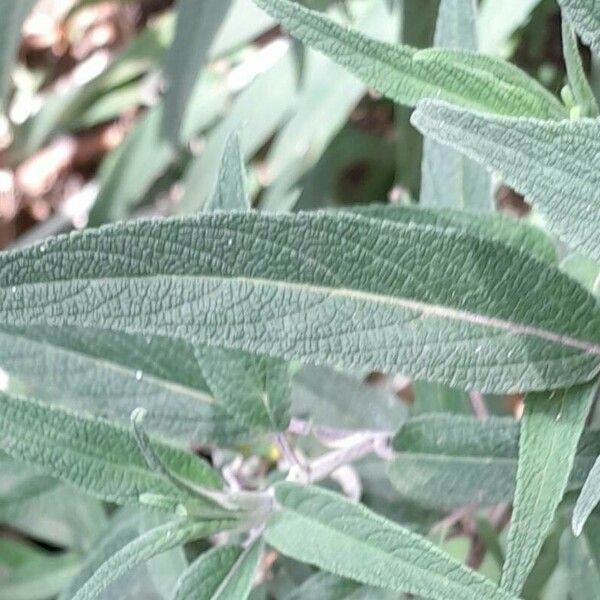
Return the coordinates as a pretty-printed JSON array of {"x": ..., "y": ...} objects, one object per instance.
[
  {"x": 585, "y": 16},
  {"x": 323, "y": 288},
  {"x": 447, "y": 461},
  {"x": 553, "y": 163},
  {"x": 407, "y": 75},
  {"x": 550, "y": 432},
  {"x": 328, "y": 531},
  {"x": 98, "y": 457},
  {"x": 448, "y": 178},
  {"x": 223, "y": 573}
]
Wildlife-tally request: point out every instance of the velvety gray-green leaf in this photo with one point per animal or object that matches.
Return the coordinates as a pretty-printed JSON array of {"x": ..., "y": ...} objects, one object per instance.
[
  {"x": 321, "y": 288},
  {"x": 198, "y": 22},
  {"x": 148, "y": 545},
  {"x": 588, "y": 499},
  {"x": 13, "y": 14},
  {"x": 223, "y": 573},
  {"x": 553, "y": 163},
  {"x": 326, "y": 530},
  {"x": 256, "y": 113},
  {"x": 585, "y": 17},
  {"x": 407, "y": 75},
  {"x": 550, "y": 431},
  {"x": 446, "y": 461},
  {"x": 101, "y": 458},
  {"x": 231, "y": 190},
  {"x": 449, "y": 179},
  {"x": 578, "y": 81},
  {"x": 496, "y": 226}
]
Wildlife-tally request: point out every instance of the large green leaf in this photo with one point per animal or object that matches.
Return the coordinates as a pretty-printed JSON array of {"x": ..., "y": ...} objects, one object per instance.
[
  {"x": 447, "y": 461},
  {"x": 101, "y": 458},
  {"x": 407, "y": 75},
  {"x": 550, "y": 432},
  {"x": 448, "y": 178},
  {"x": 336, "y": 535},
  {"x": 13, "y": 15},
  {"x": 198, "y": 22},
  {"x": 150, "y": 544},
  {"x": 223, "y": 573},
  {"x": 553, "y": 163},
  {"x": 585, "y": 16},
  {"x": 322, "y": 288},
  {"x": 581, "y": 557}
]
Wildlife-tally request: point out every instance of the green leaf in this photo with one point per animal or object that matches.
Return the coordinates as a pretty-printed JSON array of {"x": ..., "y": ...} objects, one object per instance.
[
  {"x": 223, "y": 573},
  {"x": 578, "y": 81},
  {"x": 449, "y": 179},
  {"x": 231, "y": 190},
  {"x": 326, "y": 530},
  {"x": 40, "y": 576},
  {"x": 585, "y": 17},
  {"x": 13, "y": 15},
  {"x": 407, "y": 75},
  {"x": 362, "y": 294},
  {"x": 254, "y": 390},
  {"x": 550, "y": 432},
  {"x": 325, "y": 586},
  {"x": 588, "y": 499},
  {"x": 447, "y": 461},
  {"x": 256, "y": 113},
  {"x": 150, "y": 544},
  {"x": 198, "y": 22},
  {"x": 496, "y": 226},
  {"x": 553, "y": 163},
  {"x": 101, "y": 458}
]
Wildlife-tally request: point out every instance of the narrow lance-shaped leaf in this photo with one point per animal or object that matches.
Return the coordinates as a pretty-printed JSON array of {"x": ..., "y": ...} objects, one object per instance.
[
  {"x": 448, "y": 178},
  {"x": 407, "y": 75},
  {"x": 321, "y": 288},
  {"x": 148, "y": 545},
  {"x": 555, "y": 164},
  {"x": 231, "y": 190},
  {"x": 13, "y": 15},
  {"x": 550, "y": 432},
  {"x": 255, "y": 390},
  {"x": 588, "y": 499},
  {"x": 326, "y": 530},
  {"x": 585, "y": 17},
  {"x": 446, "y": 461},
  {"x": 94, "y": 455},
  {"x": 223, "y": 573},
  {"x": 578, "y": 82},
  {"x": 198, "y": 22}
]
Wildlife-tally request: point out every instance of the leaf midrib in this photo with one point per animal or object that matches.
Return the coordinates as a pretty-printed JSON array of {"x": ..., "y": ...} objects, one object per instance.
[{"x": 426, "y": 310}]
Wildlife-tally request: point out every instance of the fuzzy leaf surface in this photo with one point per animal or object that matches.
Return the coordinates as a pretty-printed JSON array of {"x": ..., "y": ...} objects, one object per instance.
[
  {"x": 407, "y": 75},
  {"x": 554, "y": 164},
  {"x": 326, "y": 530},
  {"x": 321, "y": 288}
]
